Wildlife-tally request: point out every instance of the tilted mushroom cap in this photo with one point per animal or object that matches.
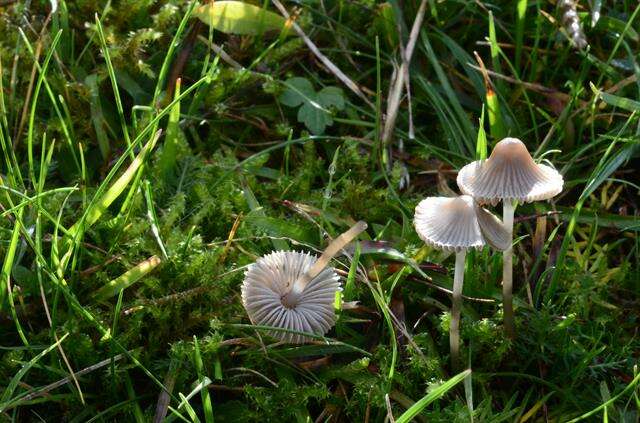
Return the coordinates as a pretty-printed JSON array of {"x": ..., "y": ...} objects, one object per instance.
[
  {"x": 271, "y": 277},
  {"x": 509, "y": 174},
  {"x": 458, "y": 223}
]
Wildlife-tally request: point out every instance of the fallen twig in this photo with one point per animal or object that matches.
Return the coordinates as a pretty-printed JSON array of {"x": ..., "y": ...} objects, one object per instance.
[
  {"x": 42, "y": 391},
  {"x": 393, "y": 102}
]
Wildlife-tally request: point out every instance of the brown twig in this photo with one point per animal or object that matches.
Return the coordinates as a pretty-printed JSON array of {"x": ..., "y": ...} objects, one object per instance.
[
  {"x": 42, "y": 391},
  {"x": 220, "y": 51},
  {"x": 395, "y": 94}
]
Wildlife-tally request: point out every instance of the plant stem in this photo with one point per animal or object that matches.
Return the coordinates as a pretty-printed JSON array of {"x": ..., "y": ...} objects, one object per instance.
[
  {"x": 456, "y": 307},
  {"x": 507, "y": 271}
]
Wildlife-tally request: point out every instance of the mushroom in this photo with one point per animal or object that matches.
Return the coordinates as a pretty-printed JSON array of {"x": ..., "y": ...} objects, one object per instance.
[
  {"x": 457, "y": 224},
  {"x": 509, "y": 175},
  {"x": 294, "y": 291}
]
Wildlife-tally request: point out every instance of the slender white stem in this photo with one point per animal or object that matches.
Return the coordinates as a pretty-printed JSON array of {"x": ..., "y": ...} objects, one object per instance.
[
  {"x": 334, "y": 247},
  {"x": 507, "y": 270},
  {"x": 456, "y": 307}
]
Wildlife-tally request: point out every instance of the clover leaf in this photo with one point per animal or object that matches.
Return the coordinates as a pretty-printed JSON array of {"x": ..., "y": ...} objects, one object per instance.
[{"x": 315, "y": 107}]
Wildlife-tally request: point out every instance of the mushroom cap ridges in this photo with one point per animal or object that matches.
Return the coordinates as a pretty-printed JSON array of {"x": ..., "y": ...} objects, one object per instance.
[
  {"x": 509, "y": 174},
  {"x": 448, "y": 223},
  {"x": 271, "y": 277},
  {"x": 493, "y": 229}
]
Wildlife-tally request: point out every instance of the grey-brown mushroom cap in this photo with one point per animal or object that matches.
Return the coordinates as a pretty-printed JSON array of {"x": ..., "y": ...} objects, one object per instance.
[
  {"x": 509, "y": 174},
  {"x": 448, "y": 223},
  {"x": 271, "y": 277}
]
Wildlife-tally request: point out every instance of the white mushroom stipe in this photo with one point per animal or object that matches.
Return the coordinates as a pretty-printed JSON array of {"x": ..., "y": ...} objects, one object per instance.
[
  {"x": 268, "y": 281},
  {"x": 509, "y": 175},
  {"x": 294, "y": 291},
  {"x": 508, "y": 209},
  {"x": 456, "y": 306},
  {"x": 457, "y": 224}
]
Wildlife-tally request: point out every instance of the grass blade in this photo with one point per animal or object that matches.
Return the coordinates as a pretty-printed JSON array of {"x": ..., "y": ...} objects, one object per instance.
[
  {"x": 127, "y": 279},
  {"x": 436, "y": 394},
  {"x": 13, "y": 384}
]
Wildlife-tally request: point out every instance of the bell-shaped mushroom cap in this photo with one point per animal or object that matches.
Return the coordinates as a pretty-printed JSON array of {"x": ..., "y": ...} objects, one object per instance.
[
  {"x": 271, "y": 277},
  {"x": 509, "y": 174},
  {"x": 458, "y": 223}
]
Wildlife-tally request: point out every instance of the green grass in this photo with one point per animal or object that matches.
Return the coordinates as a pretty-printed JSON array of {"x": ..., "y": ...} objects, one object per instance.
[{"x": 141, "y": 172}]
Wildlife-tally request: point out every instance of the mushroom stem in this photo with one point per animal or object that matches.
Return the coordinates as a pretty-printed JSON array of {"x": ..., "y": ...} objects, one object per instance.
[
  {"x": 456, "y": 307},
  {"x": 332, "y": 249},
  {"x": 507, "y": 270}
]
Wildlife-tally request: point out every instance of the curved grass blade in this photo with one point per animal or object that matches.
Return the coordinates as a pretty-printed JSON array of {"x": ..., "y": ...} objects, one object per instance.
[
  {"x": 13, "y": 384},
  {"x": 437, "y": 393}
]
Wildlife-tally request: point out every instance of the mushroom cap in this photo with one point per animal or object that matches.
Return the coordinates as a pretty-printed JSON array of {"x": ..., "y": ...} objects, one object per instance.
[
  {"x": 509, "y": 174},
  {"x": 458, "y": 223},
  {"x": 271, "y": 277}
]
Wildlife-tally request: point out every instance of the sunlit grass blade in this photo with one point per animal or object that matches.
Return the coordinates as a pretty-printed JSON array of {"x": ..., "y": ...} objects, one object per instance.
[
  {"x": 481, "y": 142},
  {"x": 167, "y": 159},
  {"x": 521, "y": 12},
  {"x": 206, "y": 399},
  {"x": 127, "y": 279},
  {"x": 7, "y": 263},
  {"x": 432, "y": 396},
  {"x": 97, "y": 208}
]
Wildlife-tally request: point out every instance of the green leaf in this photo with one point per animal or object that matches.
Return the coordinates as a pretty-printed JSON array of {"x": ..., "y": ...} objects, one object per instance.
[
  {"x": 314, "y": 118},
  {"x": 299, "y": 91},
  {"x": 236, "y": 17},
  {"x": 616, "y": 101},
  {"x": 331, "y": 97},
  {"x": 314, "y": 111}
]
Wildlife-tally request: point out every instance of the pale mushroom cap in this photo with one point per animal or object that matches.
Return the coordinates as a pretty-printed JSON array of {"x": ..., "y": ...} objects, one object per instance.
[
  {"x": 458, "y": 223},
  {"x": 271, "y": 277},
  {"x": 493, "y": 229},
  {"x": 509, "y": 174}
]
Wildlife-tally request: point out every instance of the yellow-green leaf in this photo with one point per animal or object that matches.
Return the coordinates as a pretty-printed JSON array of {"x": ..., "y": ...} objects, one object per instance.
[
  {"x": 128, "y": 278},
  {"x": 236, "y": 17}
]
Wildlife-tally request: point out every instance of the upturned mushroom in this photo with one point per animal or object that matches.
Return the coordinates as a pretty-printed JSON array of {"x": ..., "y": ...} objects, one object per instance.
[
  {"x": 457, "y": 224},
  {"x": 294, "y": 291},
  {"x": 509, "y": 175}
]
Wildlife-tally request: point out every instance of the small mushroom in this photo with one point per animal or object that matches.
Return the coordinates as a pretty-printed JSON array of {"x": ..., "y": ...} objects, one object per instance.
[
  {"x": 458, "y": 224},
  {"x": 509, "y": 175},
  {"x": 294, "y": 291}
]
